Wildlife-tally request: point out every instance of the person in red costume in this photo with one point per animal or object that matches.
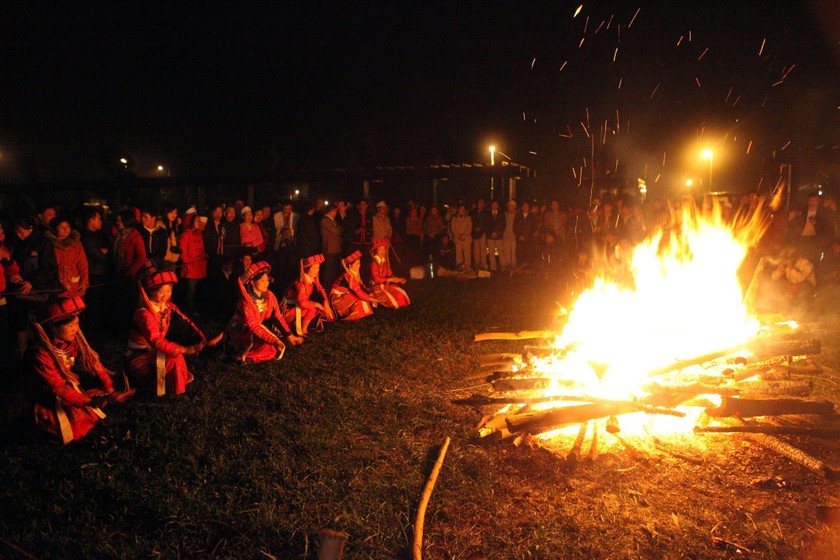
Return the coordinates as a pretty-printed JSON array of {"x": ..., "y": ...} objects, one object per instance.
[
  {"x": 305, "y": 302},
  {"x": 385, "y": 289},
  {"x": 154, "y": 363},
  {"x": 256, "y": 331},
  {"x": 348, "y": 296},
  {"x": 67, "y": 407}
]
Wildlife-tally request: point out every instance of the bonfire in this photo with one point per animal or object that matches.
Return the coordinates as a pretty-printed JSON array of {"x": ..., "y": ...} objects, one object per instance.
[{"x": 650, "y": 358}]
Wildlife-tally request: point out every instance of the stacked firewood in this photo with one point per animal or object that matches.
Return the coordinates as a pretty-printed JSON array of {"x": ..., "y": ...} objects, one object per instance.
[{"x": 758, "y": 384}]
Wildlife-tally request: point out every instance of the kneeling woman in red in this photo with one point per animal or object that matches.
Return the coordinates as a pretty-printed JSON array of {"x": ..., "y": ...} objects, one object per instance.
[
  {"x": 348, "y": 296},
  {"x": 65, "y": 409},
  {"x": 305, "y": 302},
  {"x": 256, "y": 331},
  {"x": 155, "y": 364},
  {"x": 385, "y": 290}
]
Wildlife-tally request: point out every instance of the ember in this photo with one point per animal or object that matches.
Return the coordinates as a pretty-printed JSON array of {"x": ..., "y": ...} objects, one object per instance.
[{"x": 667, "y": 342}]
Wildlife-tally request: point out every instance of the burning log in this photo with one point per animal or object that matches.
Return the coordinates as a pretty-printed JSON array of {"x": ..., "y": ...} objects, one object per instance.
[
  {"x": 746, "y": 408},
  {"x": 521, "y": 335},
  {"x": 547, "y": 420},
  {"x": 795, "y": 347},
  {"x": 796, "y": 455},
  {"x": 574, "y": 454},
  {"x": 522, "y": 384},
  {"x": 786, "y": 388},
  {"x": 824, "y": 433},
  {"x": 673, "y": 395},
  {"x": 503, "y": 359},
  {"x": 593, "y": 447},
  {"x": 482, "y": 400}
]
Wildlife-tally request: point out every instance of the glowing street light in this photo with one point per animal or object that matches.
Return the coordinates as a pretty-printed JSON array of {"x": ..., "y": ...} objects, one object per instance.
[
  {"x": 709, "y": 155},
  {"x": 123, "y": 161},
  {"x": 492, "y": 179}
]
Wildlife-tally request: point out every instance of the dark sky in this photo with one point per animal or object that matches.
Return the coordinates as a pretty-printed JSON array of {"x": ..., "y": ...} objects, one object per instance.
[{"x": 233, "y": 88}]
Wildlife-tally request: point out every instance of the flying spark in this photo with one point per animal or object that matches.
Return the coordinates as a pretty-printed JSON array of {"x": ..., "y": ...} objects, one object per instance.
[
  {"x": 582, "y": 39},
  {"x": 703, "y": 54},
  {"x": 600, "y": 26},
  {"x": 785, "y": 146},
  {"x": 583, "y": 126},
  {"x": 615, "y": 54},
  {"x": 654, "y": 90},
  {"x": 663, "y": 158},
  {"x": 725, "y": 101},
  {"x": 629, "y": 25},
  {"x": 619, "y": 82},
  {"x": 579, "y": 8},
  {"x": 761, "y": 50},
  {"x": 657, "y": 178},
  {"x": 679, "y": 40},
  {"x": 586, "y": 24},
  {"x": 532, "y": 63},
  {"x": 696, "y": 79},
  {"x": 749, "y": 146},
  {"x": 610, "y": 22},
  {"x": 563, "y": 65}
]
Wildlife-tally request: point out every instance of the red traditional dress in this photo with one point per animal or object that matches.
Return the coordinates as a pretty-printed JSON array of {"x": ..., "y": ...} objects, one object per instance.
[
  {"x": 389, "y": 295},
  {"x": 63, "y": 406},
  {"x": 153, "y": 363},
  {"x": 298, "y": 307},
  {"x": 349, "y": 297},
  {"x": 254, "y": 333}
]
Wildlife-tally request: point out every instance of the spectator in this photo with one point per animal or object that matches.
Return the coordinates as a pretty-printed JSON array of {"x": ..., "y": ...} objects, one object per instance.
[
  {"x": 232, "y": 239},
  {"x": 331, "y": 246},
  {"x": 527, "y": 232},
  {"x": 495, "y": 234},
  {"x": 65, "y": 262},
  {"x": 382, "y": 228},
  {"x": 286, "y": 226},
  {"x": 194, "y": 268},
  {"x": 432, "y": 229},
  {"x": 509, "y": 256},
  {"x": 172, "y": 224},
  {"x": 461, "y": 227},
  {"x": 250, "y": 235},
  {"x": 155, "y": 238},
  {"x": 129, "y": 258},
  {"x": 98, "y": 254},
  {"x": 214, "y": 235},
  {"x": 480, "y": 229},
  {"x": 309, "y": 234}
]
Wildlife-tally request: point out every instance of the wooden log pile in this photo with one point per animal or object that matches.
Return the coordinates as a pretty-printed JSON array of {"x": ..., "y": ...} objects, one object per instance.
[{"x": 738, "y": 389}]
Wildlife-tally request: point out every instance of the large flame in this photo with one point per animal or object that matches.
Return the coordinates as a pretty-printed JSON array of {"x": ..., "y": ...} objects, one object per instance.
[{"x": 680, "y": 298}]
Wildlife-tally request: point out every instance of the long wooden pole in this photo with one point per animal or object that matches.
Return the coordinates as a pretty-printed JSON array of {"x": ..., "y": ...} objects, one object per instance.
[{"x": 424, "y": 501}]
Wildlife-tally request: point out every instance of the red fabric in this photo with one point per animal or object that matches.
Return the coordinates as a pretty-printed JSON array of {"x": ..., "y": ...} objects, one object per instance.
[
  {"x": 74, "y": 401},
  {"x": 299, "y": 295},
  {"x": 147, "y": 338},
  {"x": 193, "y": 257},
  {"x": 72, "y": 266},
  {"x": 251, "y": 237},
  {"x": 350, "y": 299},
  {"x": 134, "y": 252},
  {"x": 386, "y": 294},
  {"x": 248, "y": 336}
]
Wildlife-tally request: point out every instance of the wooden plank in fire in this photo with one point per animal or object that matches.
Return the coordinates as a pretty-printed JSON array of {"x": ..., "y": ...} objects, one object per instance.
[
  {"x": 500, "y": 359},
  {"x": 521, "y": 335},
  {"x": 746, "y": 408}
]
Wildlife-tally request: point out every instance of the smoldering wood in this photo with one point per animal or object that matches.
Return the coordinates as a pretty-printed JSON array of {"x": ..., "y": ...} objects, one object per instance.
[
  {"x": 794, "y": 454},
  {"x": 823, "y": 433},
  {"x": 522, "y": 384},
  {"x": 746, "y": 408},
  {"x": 673, "y": 395},
  {"x": 521, "y": 335},
  {"x": 777, "y": 389},
  {"x": 574, "y": 454},
  {"x": 489, "y": 360},
  {"x": 547, "y": 420}
]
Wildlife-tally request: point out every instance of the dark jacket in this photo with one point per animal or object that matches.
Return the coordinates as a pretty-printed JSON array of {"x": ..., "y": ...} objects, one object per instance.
[
  {"x": 99, "y": 264},
  {"x": 496, "y": 225}
]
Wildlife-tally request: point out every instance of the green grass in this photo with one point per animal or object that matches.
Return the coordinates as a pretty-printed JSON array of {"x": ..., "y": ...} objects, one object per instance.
[{"x": 253, "y": 461}]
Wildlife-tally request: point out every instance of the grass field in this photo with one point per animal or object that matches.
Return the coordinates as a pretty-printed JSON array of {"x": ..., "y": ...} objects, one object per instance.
[{"x": 253, "y": 461}]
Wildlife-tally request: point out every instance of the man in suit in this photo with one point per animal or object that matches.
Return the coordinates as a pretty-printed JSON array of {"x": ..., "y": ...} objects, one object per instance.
[{"x": 331, "y": 244}]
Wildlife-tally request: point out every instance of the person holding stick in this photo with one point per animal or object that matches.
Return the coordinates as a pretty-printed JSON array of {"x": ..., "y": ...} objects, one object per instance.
[
  {"x": 65, "y": 409},
  {"x": 256, "y": 331},
  {"x": 154, "y": 362},
  {"x": 385, "y": 291}
]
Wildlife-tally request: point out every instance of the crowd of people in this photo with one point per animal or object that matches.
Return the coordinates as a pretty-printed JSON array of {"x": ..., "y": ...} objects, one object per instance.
[{"x": 274, "y": 275}]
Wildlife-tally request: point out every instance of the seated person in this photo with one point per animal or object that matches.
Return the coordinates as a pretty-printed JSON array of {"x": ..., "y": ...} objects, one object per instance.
[
  {"x": 155, "y": 363},
  {"x": 349, "y": 297},
  {"x": 256, "y": 331},
  {"x": 66, "y": 409},
  {"x": 305, "y": 302},
  {"x": 385, "y": 289},
  {"x": 786, "y": 281}
]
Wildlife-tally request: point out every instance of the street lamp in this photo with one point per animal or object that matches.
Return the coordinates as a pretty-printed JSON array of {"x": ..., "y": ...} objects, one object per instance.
[
  {"x": 163, "y": 168},
  {"x": 709, "y": 155},
  {"x": 492, "y": 178}
]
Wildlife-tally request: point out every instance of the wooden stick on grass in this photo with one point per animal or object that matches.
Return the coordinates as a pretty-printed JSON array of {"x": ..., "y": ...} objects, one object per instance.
[{"x": 417, "y": 549}]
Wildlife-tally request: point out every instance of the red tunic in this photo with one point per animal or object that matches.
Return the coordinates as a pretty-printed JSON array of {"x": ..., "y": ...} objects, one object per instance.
[
  {"x": 62, "y": 408},
  {"x": 299, "y": 309},
  {"x": 349, "y": 298},
  {"x": 156, "y": 365},
  {"x": 193, "y": 258},
  {"x": 386, "y": 294},
  {"x": 71, "y": 265},
  {"x": 250, "y": 334},
  {"x": 133, "y": 253}
]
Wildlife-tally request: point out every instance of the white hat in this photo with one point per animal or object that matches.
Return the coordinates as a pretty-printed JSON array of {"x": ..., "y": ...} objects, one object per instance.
[
  {"x": 191, "y": 210},
  {"x": 246, "y": 209}
]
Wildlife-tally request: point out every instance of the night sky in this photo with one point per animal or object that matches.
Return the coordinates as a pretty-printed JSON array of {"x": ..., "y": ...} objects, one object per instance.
[{"x": 223, "y": 89}]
